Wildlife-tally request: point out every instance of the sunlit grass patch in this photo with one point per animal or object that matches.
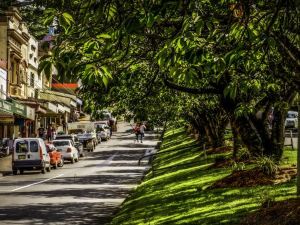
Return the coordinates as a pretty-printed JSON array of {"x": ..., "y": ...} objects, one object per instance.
[{"x": 178, "y": 192}]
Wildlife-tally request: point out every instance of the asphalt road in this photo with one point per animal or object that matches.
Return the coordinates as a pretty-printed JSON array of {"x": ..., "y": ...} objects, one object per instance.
[{"x": 88, "y": 192}]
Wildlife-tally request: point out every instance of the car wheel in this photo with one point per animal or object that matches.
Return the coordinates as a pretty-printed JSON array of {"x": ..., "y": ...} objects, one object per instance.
[
  {"x": 72, "y": 160},
  {"x": 49, "y": 168},
  {"x": 43, "y": 170},
  {"x": 15, "y": 172},
  {"x": 21, "y": 171}
]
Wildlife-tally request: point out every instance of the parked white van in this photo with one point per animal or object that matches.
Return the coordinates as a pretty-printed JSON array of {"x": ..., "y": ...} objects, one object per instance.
[
  {"x": 30, "y": 154},
  {"x": 291, "y": 120}
]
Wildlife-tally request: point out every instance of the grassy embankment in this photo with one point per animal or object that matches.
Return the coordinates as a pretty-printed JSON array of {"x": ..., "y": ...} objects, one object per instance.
[{"x": 181, "y": 195}]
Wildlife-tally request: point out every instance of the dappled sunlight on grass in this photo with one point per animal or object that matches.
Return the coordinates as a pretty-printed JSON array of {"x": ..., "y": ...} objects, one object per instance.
[{"x": 179, "y": 192}]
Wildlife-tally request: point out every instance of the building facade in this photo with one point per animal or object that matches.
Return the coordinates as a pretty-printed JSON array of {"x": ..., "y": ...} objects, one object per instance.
[{"x": 26, "y": 99}]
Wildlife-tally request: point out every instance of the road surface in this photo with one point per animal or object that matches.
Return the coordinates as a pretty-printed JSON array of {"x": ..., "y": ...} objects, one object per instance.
[{"x": 87, "y": 192}]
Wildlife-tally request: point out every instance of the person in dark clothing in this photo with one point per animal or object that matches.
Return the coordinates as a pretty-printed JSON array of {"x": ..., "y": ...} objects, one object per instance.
[
  {"x": 49, "y": 132},
  {"x": 137, "y": 132},
  {"x": 64, "y": 124},
  {"x": 111, "y": 124},
  {"x": 41, "y": 131}
]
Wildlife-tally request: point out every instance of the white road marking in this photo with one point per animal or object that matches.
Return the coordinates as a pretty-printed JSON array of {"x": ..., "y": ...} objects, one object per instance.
[
  {"x": 107, "y": 161},
  {"x": 43, "y": 181}
]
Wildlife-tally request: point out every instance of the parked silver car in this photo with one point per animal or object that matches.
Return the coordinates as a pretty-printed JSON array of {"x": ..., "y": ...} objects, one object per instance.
[
  {"x": 67, "y": 149},
  {"x": 75, "y": 140}
]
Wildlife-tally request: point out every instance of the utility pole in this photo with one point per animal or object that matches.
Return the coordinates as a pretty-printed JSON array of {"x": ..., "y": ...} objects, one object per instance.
[{"x": 298, "y": 150}]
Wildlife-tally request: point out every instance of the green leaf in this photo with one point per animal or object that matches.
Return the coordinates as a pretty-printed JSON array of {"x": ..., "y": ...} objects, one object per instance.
[
  {"x": 112, "y": 11},
  {"x": 150, "y": 20},
  {"x": 49, "y": 20},
  {"x": 105, "y": 36},
  {"x": 105, "y": 80},
  {"x": 106, "y": 71},
  {"x": 46, "y": 67},
  {"x": 68, "y": 18}
]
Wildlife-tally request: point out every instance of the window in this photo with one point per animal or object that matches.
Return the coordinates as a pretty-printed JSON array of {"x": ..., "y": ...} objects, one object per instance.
[
  {"x": 22, "y": 147},
  {"x": 32, "y": 80},
  {"x": 13, "y": 68},
  {"x": 292, "y": 115},
  {"x": 61, "y": 143},
  {"x": 34, "y": 146}
]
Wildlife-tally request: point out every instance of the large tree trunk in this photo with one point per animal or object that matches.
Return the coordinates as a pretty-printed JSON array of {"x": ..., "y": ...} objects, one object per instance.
[
  {"x": 255, "y": 133},
  {"x": 215, "y": 124},
  {"x": 237, "y": 142}
]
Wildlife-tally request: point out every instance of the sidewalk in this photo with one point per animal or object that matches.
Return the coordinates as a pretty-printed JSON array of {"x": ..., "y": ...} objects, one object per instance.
[{"x": 5, "y": 165}]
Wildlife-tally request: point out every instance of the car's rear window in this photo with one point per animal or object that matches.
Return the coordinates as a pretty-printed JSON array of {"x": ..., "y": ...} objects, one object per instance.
[
  {"x": 291, "y": 115},
  {"x": 61, "y": 143},
  {"x": 62, "y": 137},
  {"x": 34, "y": 146},
  {"x": 22, "y": 147}
]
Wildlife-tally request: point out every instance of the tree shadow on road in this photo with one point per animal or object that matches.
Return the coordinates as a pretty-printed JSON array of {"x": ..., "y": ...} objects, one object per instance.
[{"x": 84, "y": 213}]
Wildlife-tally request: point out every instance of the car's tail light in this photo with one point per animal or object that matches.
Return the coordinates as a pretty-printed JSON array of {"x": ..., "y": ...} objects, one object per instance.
[{"x": 69, "y": 150}]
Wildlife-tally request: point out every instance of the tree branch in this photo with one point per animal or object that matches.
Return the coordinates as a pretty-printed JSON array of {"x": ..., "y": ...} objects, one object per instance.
[
  {"x": 197, "y": 91},
  {"x": 292, "y": 52}
]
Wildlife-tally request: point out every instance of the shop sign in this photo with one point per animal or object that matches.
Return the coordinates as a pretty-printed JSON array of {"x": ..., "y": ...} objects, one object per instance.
[
  {"x": 30, "y": 113},
  {"x": 6, "y": 106},
  {"x": 19, "y": 109},
  {"x": 52, "y": 107},
  {"x": 6, "y": 120},
  {"x": 60, "y": 108}
]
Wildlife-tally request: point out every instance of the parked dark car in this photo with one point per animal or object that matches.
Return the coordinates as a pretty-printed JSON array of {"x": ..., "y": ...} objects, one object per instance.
[
  {"x": 74, "y": 138},
  {"x": 88, "y": 140}
]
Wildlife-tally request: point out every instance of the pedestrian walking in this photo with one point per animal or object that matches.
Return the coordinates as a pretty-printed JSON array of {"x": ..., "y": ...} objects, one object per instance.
[
  {"x": 142, "y": 131},
  {"x": 49, "y": 132},
  {"x": 111, "y": 124},
  {"x": 53, "y": 133},
  {"x": 65, "y": 126},
  {"x": 136, "y": 130}
]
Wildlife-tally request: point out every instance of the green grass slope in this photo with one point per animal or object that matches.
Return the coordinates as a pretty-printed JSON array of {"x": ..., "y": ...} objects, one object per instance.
[{"x": 177, "y": 191}]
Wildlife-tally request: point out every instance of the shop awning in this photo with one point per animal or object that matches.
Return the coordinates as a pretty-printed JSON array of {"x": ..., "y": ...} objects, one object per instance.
[
  {"x": 51, "y": 107},
  {"x": 17, "y": 109},
  {"x": 59, "y": 98}
]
